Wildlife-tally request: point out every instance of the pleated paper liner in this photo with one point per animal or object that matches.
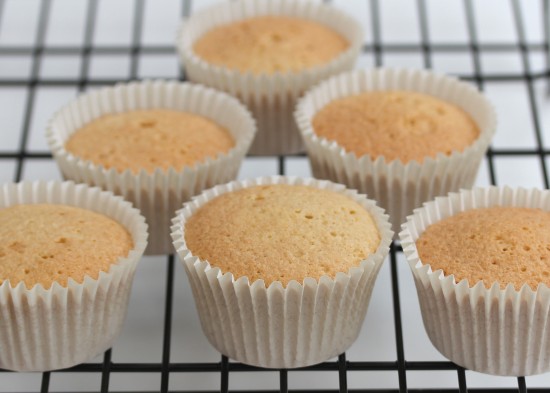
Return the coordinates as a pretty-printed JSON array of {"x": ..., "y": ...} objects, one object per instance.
[
  {"x": 489, "y": 330},
  {"x": 281, "y": 327},
  {"x": 159, "y": 194},
  {"x": 398, "y": 187},
  {"x": 271, "y": 98},
  {"x": 47, "y": 329}
]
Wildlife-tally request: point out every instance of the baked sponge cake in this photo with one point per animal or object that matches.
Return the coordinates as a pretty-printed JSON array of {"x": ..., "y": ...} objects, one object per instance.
[
  {"x": 269, "y": 44},
  {"x": 507, "y": 245},
  {"x": 281, "y": 268},
  {"x": 68, "y": 254},
  {"x": 149, "y": 139},
  {"x": 282, "y": 232},
  {"x": 401, "y": 136},
  {"x": 397, "y": 125},
  {"x": 480, "y": 261},
  {"x": 46, "y": 243}
]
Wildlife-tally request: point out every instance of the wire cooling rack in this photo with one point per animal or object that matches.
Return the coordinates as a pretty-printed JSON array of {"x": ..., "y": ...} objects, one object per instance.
[{"x": 529, "y": 76}]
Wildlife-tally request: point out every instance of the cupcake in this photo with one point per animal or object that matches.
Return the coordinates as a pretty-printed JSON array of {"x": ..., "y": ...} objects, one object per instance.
[
  {"x": 67, "y": 259},
  {"x": 481, "y": 264},
  {"x": 268, "y": 53},
  {"x": 281, "y": 269},
  {"x": 155, "y": 143},
  {"x": 400, "y": 136}
]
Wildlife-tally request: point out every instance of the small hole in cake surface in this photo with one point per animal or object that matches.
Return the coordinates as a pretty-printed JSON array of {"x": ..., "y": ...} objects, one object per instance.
[
  {"x": 472, "y": 237},
  {"x": 352, "y": 212},
  {"x": 147, "y": 123},
  {"x": 2, "y": 253},
  {"x": 494, "y": 262},
  {"x": 525, "y": 228},
  {"x": 527, "y": 248},
  {"x": 17, "y": 247},
  {"x": 27, "y": 271},
  {"x": 333, "y": 234},
  {"x": 60, "y": 272},
  {"x": 61, "y": 240},
  {"x": 276, "y": 37},
  {"x": 545, "y": 273},
  {"x": 523, "y": 269},
  {"x": 309, "y": 216}
]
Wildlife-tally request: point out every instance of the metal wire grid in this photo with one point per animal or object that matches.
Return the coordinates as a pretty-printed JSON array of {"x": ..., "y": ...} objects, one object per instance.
[{"x": 341, "y": 367}]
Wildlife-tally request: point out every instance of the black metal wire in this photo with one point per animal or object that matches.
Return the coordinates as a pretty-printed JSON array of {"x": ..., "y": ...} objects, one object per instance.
[
  {"x": 45, "y": 384},
  {"x": 106, "y": 371},
  {"x": 376, "y": 33},
  {"x": 164, "y": 381},
  {"x": 546, "y": 32},
  {"x": 401, "y": 367},
  {"x": 89, "y": 29},
  {"x": 462, "y": 387},
  {"x": 283, "y": 381},
  {"x": 377, "y": 49},
  {"x": 393, "y": 47},
  {"x": 136, "y": 38},
  {"x": 31, "y": 92},
  {"x": 342, "y": 373},
  {"x": 479, "y": 77},
  {"x": 424, "y": 33},
  {"x": 224, "y": 374},
  {"x": 522, "y": 387},
  {"x": 526, "y": 63}
]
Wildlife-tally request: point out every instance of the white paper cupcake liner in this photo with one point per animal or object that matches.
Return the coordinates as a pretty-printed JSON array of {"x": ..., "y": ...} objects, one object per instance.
[
  {"x": 494, "y": 331},
  {"x": 271, "y": 98},
  {"x": 398, "y": 187},
  {"x": 158, "y": 195},
  {"x": 47, "y": 329},
  {"x": 277, "y": 327}
]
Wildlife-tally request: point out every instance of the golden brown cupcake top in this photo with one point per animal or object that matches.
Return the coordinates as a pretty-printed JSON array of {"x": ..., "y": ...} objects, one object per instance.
[
  {"x": 269, "y": 44},
  {"x": 396, "y": 125},
  {"x": 282, "y": 233},
  {"x": 43, "y": 244},
  {"x": 502, "y": 244},
  {"x": 149, "y": 139}
]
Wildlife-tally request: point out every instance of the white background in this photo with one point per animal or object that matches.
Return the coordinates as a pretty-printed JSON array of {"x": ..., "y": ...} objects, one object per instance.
[{"x": 141, "y": 338}]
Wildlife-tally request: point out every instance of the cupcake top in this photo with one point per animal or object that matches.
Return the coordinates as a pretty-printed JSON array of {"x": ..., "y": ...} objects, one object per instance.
[
  {"x": 269, "y": 44},
  {"x": 43, "y": 244},
  {"x": 149, "y": 139},
  {"x": 282, "y": 233},
  {"x": 502, "y": 244},
  {"x": 400, "y": 125}
]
